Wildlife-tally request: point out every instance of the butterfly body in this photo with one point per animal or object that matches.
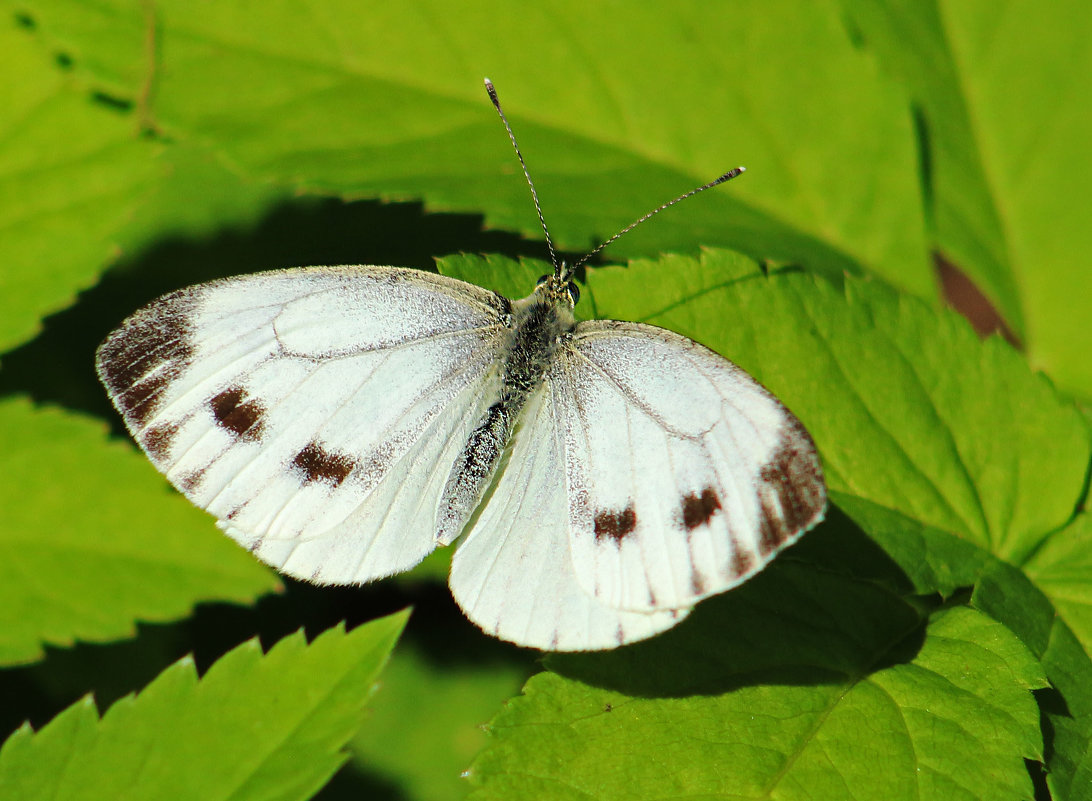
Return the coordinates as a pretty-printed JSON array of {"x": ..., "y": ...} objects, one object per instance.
[
  {"x": 602, "y": 476},
  {"x": 537, "y": 325}
]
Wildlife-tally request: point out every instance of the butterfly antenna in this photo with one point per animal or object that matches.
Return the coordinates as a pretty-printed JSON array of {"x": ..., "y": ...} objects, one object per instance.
[
  {"x": 728, "y": 176},
  {"x": 534, "y": 195}
]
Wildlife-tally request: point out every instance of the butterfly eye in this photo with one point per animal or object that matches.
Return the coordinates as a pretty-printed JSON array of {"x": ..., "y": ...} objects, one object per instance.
[
  {"x": 574, "y": 292},
  {"x": 542, "y": 279}
]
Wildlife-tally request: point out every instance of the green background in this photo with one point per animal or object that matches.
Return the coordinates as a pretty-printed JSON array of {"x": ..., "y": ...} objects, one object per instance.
[{"x": 930, "y": 640}]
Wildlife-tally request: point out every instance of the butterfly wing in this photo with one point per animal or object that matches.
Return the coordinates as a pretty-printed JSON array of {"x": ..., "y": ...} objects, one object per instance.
[
  {"x": 685, "y": 476},
  {"x": 308, "y": 409},
  {"x": 513, "y": 573}
]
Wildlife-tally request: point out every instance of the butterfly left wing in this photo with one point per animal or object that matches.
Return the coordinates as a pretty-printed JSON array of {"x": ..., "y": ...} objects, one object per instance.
[
  {"x": 314, "y": 412},
  {"x": 513, "y": 573},
  {"x": 685, "y": 476}
]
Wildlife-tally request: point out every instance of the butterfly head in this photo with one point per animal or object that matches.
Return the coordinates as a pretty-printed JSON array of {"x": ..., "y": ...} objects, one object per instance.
[{"x": 559, "y": 287}]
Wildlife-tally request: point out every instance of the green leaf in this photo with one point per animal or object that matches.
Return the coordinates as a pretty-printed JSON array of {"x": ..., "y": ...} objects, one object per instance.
[
  {"x": 256, "y": 726},
  {"x": 1062, "y": 569},
  {"x": 931, "y": 559},
  {"x": 71, "y": 205},
  {"x": 1009, "y": 596},
  {"x": 1037, "y": 61},
  {"x": 357, "y": 102},
  {"x": 63, "y": 197},
  {"x": 1069, "y": 712},
  {"x": 909, "y": 37},
  {"x": 797, "y": 685},
  {"x": 1001, "y": 89},
  {"x": 426, "y": 725},
  {"x": 92, "y": 540}
]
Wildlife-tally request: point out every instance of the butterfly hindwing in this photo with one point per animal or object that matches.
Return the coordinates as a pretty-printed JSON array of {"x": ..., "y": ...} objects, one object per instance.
[
  {"x": 513, "y": 572},
  {"x": 685, "y": 476},
  {"x": 300, "y": 406}
]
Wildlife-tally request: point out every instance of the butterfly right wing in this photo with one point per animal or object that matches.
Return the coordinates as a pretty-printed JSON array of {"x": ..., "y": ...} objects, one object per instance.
[{"x": 314, "y": 412}]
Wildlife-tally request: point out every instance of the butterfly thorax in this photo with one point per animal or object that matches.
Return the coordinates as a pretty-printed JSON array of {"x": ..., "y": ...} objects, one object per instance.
[{"x": 539, "y": 325}]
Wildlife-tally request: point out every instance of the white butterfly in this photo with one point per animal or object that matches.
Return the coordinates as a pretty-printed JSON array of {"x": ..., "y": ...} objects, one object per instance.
[{"x": 341, "y": 422}]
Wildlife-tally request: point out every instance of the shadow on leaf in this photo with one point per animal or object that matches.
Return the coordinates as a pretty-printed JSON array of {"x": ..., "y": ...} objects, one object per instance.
[{"x": 804, "y": 620}]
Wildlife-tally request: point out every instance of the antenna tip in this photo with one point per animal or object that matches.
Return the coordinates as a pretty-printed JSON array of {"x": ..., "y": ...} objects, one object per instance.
[
  {"x": 493, "y": 96},
  {"x": 741, "y": 168}
]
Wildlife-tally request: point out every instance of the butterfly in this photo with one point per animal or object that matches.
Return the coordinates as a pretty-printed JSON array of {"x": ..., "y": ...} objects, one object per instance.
[{"x": 602, "y": 477}]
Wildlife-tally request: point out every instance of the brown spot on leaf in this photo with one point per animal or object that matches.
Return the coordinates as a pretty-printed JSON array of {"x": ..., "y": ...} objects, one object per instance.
[
  {"x": 318, "y": 464},
  {"x": 699, "y": 509},
  {"x": 966, "y": 298},
  {"x": 615, "y": 525},
  {"x": 236, "y": 413}
]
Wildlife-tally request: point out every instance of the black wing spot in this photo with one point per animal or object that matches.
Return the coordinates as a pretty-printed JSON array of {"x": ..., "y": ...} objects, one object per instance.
[
  {"x": 157, "y": 440},
  {"x": 699, "y": 585},
  {"x": 699, "y": 509},
  {"x": 234, "y": 412},
  {"x": 318, "y": 464},
  {"x": 140, "y": 401},
  {"x": 191, "y": 481},
  {"x": 615, "y": 525},
  {"x": 148, "y": 351},
  {"x": 792, "y": 495},
  {"x": 743, "y": 561}
]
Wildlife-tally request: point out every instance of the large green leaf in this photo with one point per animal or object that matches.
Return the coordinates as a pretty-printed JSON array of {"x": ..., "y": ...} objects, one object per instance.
[
  {"x": 1027, "y": 70},
  {"x": 909, "y": 37},
  {"x": 256, "y": 726},
  {"x": 63, "y": 197},
  {"x": 1009, "y": 596},
  {"x": 909, "y": 409},
  {"x": 72, "y": 204},
  {"x": 1001, "y": 88},
  {"x": 93, "y": 541},
  {"x": 1062, "y": 569},
  {"x": 369, "y": 100},
  {"x": 800, "y": 685}
]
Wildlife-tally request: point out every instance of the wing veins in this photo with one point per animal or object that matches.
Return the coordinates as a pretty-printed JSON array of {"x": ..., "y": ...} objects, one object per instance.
[
  {"x": 623, "y": 390},
  {"x": 421, "y": 498},
  {"x": 460, "y": 369},
  {"x": 439, "y": 335}
]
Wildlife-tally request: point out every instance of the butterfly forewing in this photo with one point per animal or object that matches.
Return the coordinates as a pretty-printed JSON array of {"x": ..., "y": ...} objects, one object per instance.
[
  {"x": 513, "y": 573},
  {"x": 308, "y": 409},
  {"x": 685, "y": 476}
]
